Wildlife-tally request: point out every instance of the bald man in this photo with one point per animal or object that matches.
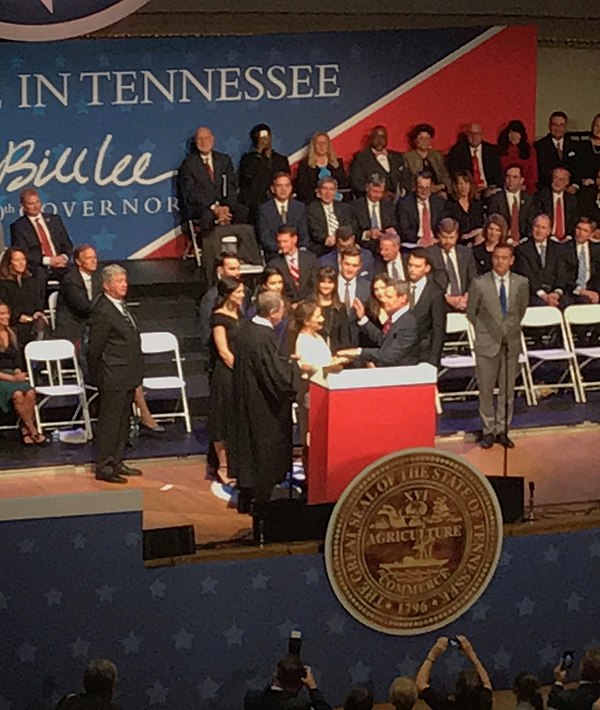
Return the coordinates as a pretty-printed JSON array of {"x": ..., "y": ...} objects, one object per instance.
[{"x": 474, "y": 155}]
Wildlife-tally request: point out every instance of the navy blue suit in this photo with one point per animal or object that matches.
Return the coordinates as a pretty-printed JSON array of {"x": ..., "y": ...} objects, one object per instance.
[
  {"x": 269, "y": 221},
  {"x": 331, "y": 260},
  {"x": 24, "y": 236}
]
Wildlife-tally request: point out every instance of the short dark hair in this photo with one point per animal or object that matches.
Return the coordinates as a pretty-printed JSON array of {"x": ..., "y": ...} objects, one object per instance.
[
  {"x": 423, "y": 174},
  {"x": 226, "y": 255},
  {"x": 510, "y": 166},
  {"x": 344, "y": 232},
  {"x": 352, "y": 251},
  {"x": 558, "y": 114},
  {"x": 280, "y": 174},
  {"x": 287, "y": 229},
  {"x": 100, "y": 678},
  {"x": 359, "y": 699},
  {"x": 447, "y": 225},
  {"x": 80, "y": 248},
  {"x": 420, "y": 253},
  {"x": 256, "y": 130},
  {"x": 500, "y": 245},
  {"x": 586, "y": 220},
  {"x": 290, "y": 673}
]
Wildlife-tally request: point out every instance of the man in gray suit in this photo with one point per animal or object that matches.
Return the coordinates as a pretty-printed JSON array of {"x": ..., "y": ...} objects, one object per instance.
[{"x": 496, "y": 305}]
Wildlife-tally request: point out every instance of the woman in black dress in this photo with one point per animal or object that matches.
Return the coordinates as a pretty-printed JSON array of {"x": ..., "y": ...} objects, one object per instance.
[
  {"x": 25, "y": 294},
  {"x": 495, "y": 231},
  {"x": 14, "y": 387},
  {"x": 587, "y": 156},
  {"x": 336, "y": 330},
  {"x": 589, "y": 202},
  {"x": 225, "y": 324},
  {"x": 466, "y": 208},
  {"x": 320, "y": 162}
]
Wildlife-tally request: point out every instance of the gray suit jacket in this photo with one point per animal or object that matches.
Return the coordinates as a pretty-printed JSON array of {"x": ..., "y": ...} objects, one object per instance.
[{"x": 484, "y": 312}]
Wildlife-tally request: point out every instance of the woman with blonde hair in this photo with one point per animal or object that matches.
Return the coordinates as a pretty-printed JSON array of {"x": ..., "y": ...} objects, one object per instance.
[{"x": 320, "y": 162}]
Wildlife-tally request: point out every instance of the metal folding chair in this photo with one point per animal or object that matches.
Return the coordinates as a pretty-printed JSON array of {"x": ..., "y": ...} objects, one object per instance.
[{"x": 582, "y": 315}]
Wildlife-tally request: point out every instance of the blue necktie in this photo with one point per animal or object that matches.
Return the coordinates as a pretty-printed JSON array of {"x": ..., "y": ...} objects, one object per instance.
[{"x": 503, "y": 299}]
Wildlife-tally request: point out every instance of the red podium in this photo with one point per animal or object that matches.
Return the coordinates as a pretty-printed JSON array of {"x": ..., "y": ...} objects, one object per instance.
[{"x": 358, "y": 416}]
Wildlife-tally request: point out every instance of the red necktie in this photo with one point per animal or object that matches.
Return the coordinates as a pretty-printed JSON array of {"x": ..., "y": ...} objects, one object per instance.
[
  {"x": 559, "y": 219},
  {"x": 476, "y": 172},
  {"x": 427, "y": 238},
  {"x": 294, "y": 270},
  {"x": 45, "y": 244},
  {"x": 209, "y": 170},
  {"x": 387, "y": 326},
  {"x": 515, "y": 234}
]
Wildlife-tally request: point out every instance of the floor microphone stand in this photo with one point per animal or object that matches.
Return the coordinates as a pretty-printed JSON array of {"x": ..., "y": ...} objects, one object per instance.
[{"x": 505, "y": 456}]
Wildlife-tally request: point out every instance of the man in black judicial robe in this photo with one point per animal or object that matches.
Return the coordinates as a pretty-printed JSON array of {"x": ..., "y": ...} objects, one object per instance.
[{"x": 260, "y": 451}]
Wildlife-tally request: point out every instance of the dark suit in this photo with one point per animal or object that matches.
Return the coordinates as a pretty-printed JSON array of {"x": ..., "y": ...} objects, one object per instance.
[
  {"x": 548, "y": 278},
  {"x": 24, "y": 236},
  {"x": 492, "y": 331},
  {"x": 269, "y": 221},
  {"x": 366, "y": 164},
  {"x": 361, "y": 219},
  {"x": 368, "y": 269},
  {"x": 580, "y": 698},
  {"x": 116, "y": 365},
  {"x": 408, "y": 215},
  {"x": 430, "y": 314},
  {"x": 256, "y": 176},
  {"x": 74, "y": 307},
  {"x": 197, "y": 192},
  {"x": 467, "y": 270},
  {"x": 459, "y": 160},
  {"x": 381, "y": 267},
  {"x": 545, "y": 205},
  {"x": 399, "y": 346},
  {"x": 499, "y": 205},
  {"x": 548, "y": 158},
  {"x": 307, "y": 263},
  {"x": 363, "y": 293},
  {"x": 307, "y": 179},
  {"x": 318, "y": 229},
  {"x": 571, "y": 267}
]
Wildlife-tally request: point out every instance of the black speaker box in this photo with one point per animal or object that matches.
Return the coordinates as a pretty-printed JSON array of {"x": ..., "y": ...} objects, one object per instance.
[
  {"x": 169, "y": 542},
  {"x": 510, "y": 491},
  {"x": 290, "y": 521}
]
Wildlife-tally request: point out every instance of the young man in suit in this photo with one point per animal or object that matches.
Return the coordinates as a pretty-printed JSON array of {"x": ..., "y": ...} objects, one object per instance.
[
  {"x": 378, "y": 159},
  {"x": 298, "y": 266},
  {"x": 514, "y": 204},
  {"x": 208, "y": 186},
  {"x": 351, "y": 286},
  {"x": 42, "y": 236},
  {"x": 372, "y": 214},
  {"x": 555, "y": 149},
  {"x": 474, "y": 155},
  {"x": 582, "y": 265},
  {"x": 344, "y": 238},
  {"x": 283, "y": 209},
  {"x": 497, "y": 303},
  {"x": 324, "y": 215},
  {"x": 556, "y": 201},
  {"x": 116, "y": 365},
  {"x": 419, "y": 212}
]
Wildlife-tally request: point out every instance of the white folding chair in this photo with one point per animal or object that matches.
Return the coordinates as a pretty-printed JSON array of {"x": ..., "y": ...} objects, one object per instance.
[
  {"x": 161, "y": 343},
  {"x": 585, "y": 314},
  {"x": 538, "y": 317},
  {"x": 52, "y": 354},
  {"x": 52, "y": 301},
  {"x": 458, "y": 354},
  {"x": 194, "y": 235}
]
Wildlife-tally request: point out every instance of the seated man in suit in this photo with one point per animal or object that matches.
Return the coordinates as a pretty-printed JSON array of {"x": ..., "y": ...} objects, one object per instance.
[
  {"x": 398, "y": 341},
  {"x": 514, "y": 204},
  {"x": 453, "y": 265},
  {"x": 426, "y": 300},
  {"x": 298, "y": 266},
  {"x": 42, "y": 236},
  {"x": 419, "y": 212},
  {"x": 378, "y": 159},
  {"x": 556, "y": 201},
  {"x": 207, "y": 185},
  {"x": 344, "y": 238},
  {"x": 282, "y": 209},
  {"x": 582, "y": 265},
  {"x": 372, "y": 214},
  {"x": 391, "y": 261},
  {"x": 474, "y": 155},
  {"x": 541, "y": 260},
  {"x": 554, "y": 150},
  {"x": 324, "y": 215}
]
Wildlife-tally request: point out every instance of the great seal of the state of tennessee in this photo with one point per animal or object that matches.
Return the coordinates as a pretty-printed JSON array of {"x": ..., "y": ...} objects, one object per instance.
[{"x": 413, "y": 541}]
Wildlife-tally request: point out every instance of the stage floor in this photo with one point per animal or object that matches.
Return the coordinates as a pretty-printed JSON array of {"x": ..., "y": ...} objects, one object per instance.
[{"x": 561, "y": 461}]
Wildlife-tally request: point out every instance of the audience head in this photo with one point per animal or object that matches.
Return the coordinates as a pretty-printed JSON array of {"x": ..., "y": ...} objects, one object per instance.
[
  {"x": 378, "y": 138},
  {"x": 271, "y": 306},
  {"x": 281, "y": 186},
  {"x": 515, "y": 134},
  {"x": 230, "y": 291},
  {"x": 13, "y": 264},
  {"x": 290, "y": 673},
  {"x": 376, "y": 187},
  {"x": 344, "y": 237},
  {"x": 590, "y": 666},
  {"x": 359, "y": 699},
  {"x": 595, "y": 127},
  {"x": 86, "y": 258},
  {"x": 271, "y": 280},
  {"x": 100, "y": 678},
  {"x": 474, "y": 133},
  {"x": 527, "y": 690},
  {"x": 468, "y": 690},
  {"x": 395, "y": 296},
  {"x": 447, "y": 232},
  {"x": 513, "y": 178},
  {"x": 557, "y": 124},
  {"x": 495, "y": 229},
  {"x": 350, "y": 263},
  {"x": 541, "y": 228},
  {"x": 30, "y": 202},
  {"x": 463, "y": 185},
  {"x": 420, "y": 136},
  {"x": 326, "y": 284},
  {"x": 261, "y": 136},
  {"x": 560, "y": 179},
  {"x": 419, "y": 264},
  {"x": 320, "y": 146},
  {"x": 327, "y": 189},
  {"x": 502, "y": 259},
  {"x": 308, "y": 317},
  {"x": 287, "y": 240},
  {"x": 423, "y": 185},
  {"x": 114, "y": 281},
  {"x": 228, "y": 265},
  {"x": 378, "y": 286},
  {"x": 204, "y": 140},
  {"x": 403, "y": 693},
  {"x": 584, "y": 229},
  {"x": 389, "y": 246}
]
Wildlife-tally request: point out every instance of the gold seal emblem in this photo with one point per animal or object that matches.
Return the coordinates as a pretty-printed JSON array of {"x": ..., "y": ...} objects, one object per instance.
[{"x": 413, "y": 541}]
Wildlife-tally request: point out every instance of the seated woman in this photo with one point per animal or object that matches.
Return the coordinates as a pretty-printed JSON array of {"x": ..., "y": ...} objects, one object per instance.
[
  {"x": 320, "y": 162},
  {"x": 423, "y": 157},
  {"x": 515, "y": 149},
  {"x": 14, "y": 387},
  {"x": 336, "y": 329},
  {"x": 272, "y": 280},
  {"x": 25, "y": 294},
  {"x": 466, "y": 208},
  {"x": 588, "y": 202},
  {"x": 495, "y": 232}
]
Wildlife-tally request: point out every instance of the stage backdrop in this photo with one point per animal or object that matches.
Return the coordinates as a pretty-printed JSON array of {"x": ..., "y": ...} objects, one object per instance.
[{"x": 100, "y": 126}]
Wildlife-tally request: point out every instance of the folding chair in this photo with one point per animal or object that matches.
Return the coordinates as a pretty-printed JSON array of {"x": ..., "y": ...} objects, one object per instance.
[
  {"x": 194, "y": 233},
  {"x": 537, "y": 317},
  {"x": 458, "y": 354},
  {"x": 52, "y": 301},
  {"x": 159, "y": 343},
  {"x": 52, "y": 354},
  {"x": 585, "y": 314}
]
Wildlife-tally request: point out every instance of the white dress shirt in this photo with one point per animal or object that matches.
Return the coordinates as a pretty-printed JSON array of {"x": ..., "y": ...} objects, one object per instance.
[
  {"x": 418, "y": 288},
  {"x": 87, "y": 282},
  {"x": 342, "y": 288},
  {"x": 586, "y": 251},
  {"x": 498, "y": 282},
  {"x": 383, "y": 159},
  {"x": 453, "y": 258},
  {"x": 397, "y": 262},
  {"x": 282, "y": 207},
  {"x": 511, "y": 198}
]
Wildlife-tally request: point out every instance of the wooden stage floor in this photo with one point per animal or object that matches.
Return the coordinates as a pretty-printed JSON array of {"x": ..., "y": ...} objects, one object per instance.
[{"x": 563, "y": 463}]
